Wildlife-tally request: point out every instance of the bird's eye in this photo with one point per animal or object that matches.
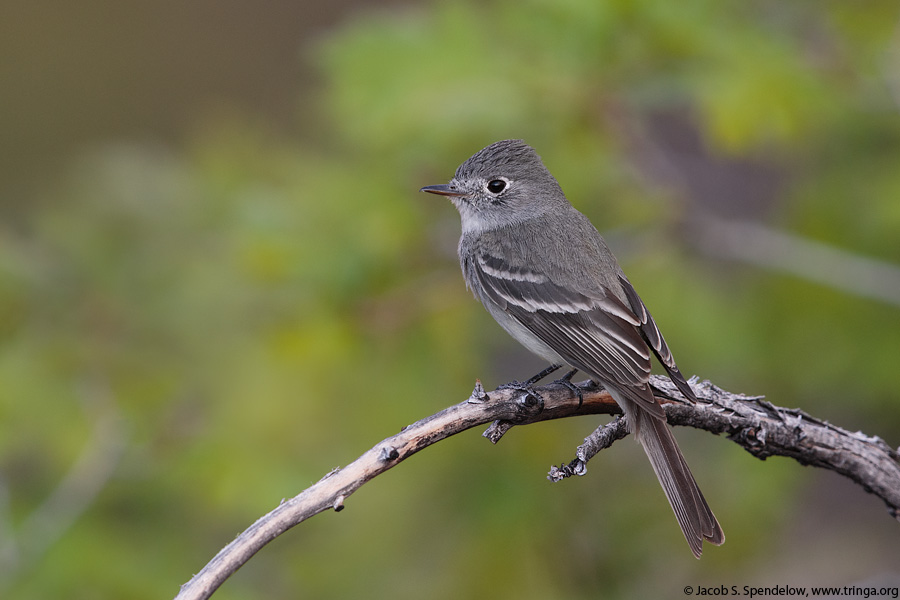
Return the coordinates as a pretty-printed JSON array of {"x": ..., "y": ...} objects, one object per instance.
[{"x": 495, "y": 186}]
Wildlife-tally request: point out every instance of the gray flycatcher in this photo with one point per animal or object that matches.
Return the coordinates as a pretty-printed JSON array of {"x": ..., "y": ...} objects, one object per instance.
[{"x": 546, "y": 275}]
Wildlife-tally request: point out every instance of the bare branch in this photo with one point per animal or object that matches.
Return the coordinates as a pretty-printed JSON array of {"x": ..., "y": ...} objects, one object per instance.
[
  {"x": 756, "y": 425},
  {"x": 766, "y": 430}
]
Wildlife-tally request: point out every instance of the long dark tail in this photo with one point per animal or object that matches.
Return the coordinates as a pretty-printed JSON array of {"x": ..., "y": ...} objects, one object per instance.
[{"x": 697, "y": 521}]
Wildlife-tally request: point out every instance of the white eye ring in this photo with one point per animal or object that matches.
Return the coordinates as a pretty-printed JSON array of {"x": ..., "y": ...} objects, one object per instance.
[{"x": 497, "y": 185}]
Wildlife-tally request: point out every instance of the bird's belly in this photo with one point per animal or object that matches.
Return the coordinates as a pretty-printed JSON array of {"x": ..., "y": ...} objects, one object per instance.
[{"x": 522, "y": 335}]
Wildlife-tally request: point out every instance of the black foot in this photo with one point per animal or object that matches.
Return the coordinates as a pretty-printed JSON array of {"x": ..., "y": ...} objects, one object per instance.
[
  {"x": 527, "y": 386},
  {"x": 566, "y": 382},
  {"x": 515, "y": 384}
]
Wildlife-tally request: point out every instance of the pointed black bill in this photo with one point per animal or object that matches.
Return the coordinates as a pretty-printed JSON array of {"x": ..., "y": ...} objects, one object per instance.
[{"x": 443, "y": 190}]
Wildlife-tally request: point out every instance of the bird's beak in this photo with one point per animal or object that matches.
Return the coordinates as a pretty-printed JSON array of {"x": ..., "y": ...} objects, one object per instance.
[{"x": 443, "y": 190}]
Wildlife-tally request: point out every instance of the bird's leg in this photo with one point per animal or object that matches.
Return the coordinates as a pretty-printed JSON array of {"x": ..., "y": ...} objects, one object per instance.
[
  {"x": 533, "y": 380},
  {"x": 528, "y": 383},
  {"x": 566, "y": 382}
]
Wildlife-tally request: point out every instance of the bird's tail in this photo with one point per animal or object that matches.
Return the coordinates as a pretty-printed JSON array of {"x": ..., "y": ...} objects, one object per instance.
[{"x": 697, "y": 521}]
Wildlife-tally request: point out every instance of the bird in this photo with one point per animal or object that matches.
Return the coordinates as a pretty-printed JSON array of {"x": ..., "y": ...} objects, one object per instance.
[{"x": 546, "y": 275}]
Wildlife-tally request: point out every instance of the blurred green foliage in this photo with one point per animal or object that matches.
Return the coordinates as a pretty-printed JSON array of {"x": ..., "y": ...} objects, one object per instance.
[{"x": 245, "y": 312}]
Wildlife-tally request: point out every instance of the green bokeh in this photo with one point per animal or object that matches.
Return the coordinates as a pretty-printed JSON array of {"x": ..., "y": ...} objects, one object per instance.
[{"x": 248, "y": 309}]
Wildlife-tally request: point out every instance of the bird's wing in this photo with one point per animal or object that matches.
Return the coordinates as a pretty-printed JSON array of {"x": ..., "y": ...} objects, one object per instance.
[
  {"x": 594, "y": 332},
  {"x": 651, "y": 334}
]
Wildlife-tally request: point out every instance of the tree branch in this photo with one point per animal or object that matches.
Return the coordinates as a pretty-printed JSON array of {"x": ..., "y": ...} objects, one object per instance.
[{"x": 756, "y": 425}]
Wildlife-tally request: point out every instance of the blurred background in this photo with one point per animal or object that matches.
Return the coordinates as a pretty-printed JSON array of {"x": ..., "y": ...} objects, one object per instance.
[{"x": 218, "y": 281}]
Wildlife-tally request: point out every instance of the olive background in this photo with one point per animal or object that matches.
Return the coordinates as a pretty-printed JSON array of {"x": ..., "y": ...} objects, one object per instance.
[{"x": 218, "y": 282}]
